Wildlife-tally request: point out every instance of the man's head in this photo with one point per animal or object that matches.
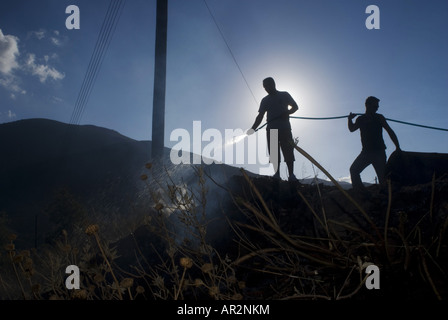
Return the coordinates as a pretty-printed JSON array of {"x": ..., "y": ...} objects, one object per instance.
[
  {"x": 269, "y": 85},
  {"x": 372, "y": 104}
]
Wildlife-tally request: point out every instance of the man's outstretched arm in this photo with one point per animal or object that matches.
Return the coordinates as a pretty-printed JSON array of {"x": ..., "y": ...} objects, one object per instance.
[
  {"x": 391, "y": 133},
  {"x": 257, "y": 122}
]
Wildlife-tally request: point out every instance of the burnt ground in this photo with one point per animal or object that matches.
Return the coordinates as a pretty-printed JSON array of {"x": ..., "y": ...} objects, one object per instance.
[
  {"x": 288, "y": 241},
  {"x": 414, "y": 264}
]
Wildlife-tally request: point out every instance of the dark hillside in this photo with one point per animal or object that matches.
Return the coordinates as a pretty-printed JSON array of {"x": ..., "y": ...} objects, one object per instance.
[{"x": 99, "y": 167}]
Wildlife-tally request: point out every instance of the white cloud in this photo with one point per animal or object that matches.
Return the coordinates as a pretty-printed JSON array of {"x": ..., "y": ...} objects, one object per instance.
[
  {"x": 56, "y": 41},
  {"x": 345, "y": 179},
  {"x": 11, "y": 83},
  {"x": 7, "y": 116},
  {"x": 9, "y": 62},
  {"x": 42, "y": 71},
  {"x": 39, "y": 34},
  {"x": 11, "y": 115},
  {"x": 57, "y": 100},
  {"x": 53, "y": 37},
  {"x": 9, "y": 52},
  {"x": 47, "y": 58}
]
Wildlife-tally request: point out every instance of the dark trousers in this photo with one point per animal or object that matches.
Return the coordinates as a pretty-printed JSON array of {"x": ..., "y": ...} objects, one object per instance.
[
  {"x": 377, "y": 158},
  {"x": 284, "y": 142}
]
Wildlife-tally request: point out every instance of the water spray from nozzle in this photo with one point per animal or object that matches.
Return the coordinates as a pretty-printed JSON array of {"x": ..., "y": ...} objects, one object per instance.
[{"x": 236, "y": 139}]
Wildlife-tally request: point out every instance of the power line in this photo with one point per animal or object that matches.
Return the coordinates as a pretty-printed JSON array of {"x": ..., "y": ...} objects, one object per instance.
[
  {"x": 231, "y": 52},
  {"x": 107, "y": 29},
  {"x": 102, "y": 44}
]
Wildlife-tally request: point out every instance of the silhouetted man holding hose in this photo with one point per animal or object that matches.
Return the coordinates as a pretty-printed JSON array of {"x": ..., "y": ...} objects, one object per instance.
[
  {"x": 373, "y": 152},
  {"x": 276, "y": 104}
]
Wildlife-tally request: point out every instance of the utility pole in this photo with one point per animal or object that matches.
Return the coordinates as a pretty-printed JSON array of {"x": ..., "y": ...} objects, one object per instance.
[{"x": 158, "y": 111}]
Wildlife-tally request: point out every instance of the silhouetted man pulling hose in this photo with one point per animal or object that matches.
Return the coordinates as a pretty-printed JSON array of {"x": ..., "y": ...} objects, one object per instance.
[
  {"x": 276, "y": 104},
  {"x": 373, "y": 152}
]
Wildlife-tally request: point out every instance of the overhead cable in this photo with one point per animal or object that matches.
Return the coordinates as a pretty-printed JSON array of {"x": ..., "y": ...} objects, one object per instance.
[
  {"x": 231, "y": 52},
  {"x": 106, "y": 32}
]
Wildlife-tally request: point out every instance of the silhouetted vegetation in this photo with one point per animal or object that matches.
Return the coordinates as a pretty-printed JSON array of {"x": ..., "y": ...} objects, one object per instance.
[{"x": 271, "y": 240}]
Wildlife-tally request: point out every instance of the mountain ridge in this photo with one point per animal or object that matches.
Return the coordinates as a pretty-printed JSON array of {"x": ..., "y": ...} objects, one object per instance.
[{"x": 99, "y": 167}]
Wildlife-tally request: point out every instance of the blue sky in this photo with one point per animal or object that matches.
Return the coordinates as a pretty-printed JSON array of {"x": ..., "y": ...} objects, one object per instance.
[{"x": 320, "y": 51}]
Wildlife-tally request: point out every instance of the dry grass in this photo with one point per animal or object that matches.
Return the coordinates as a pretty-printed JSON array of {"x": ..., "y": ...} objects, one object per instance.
[{"x": 261, "y": 261}]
